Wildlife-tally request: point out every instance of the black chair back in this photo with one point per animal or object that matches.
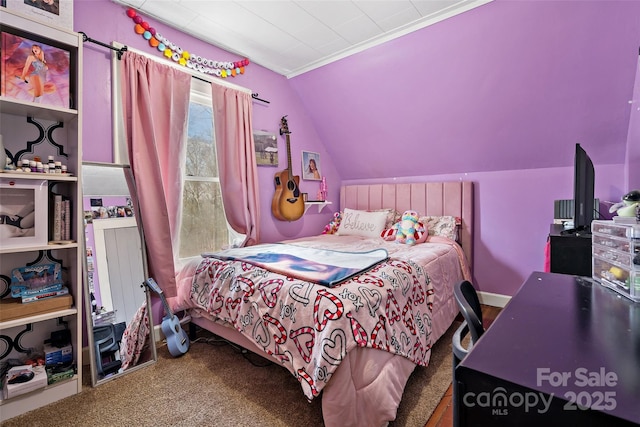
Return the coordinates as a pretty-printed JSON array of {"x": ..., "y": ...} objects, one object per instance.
[
  {"x": 107, "y": 346},
  {"x": 469, "y": 306}
]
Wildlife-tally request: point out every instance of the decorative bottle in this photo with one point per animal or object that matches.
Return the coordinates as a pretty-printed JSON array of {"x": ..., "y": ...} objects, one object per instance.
[{"x": 323, "y": 189}]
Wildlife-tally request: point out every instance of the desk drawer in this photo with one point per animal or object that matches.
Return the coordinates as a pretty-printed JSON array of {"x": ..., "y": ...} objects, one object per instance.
[
  {"x": 610, "y": 228},
  {"x": 622, "y": 245},
  {"x": 613, "y": 255},
  {"x": 622, "y": 279}
]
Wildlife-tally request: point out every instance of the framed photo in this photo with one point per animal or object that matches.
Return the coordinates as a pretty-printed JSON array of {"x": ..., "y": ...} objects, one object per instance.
[
  {"x": 34, "y": 71},
  {"x": 311, "y": 166},
  {"x": 266, "y": 144},
  {"x": 23, "y": 213},
  {"x": 53, "y": 12}
]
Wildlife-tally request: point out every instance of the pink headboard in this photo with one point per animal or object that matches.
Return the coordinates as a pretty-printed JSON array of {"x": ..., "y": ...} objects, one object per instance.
[{"x": 428, "y": 198}]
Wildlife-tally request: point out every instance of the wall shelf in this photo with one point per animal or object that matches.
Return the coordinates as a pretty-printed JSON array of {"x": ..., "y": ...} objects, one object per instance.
[
  {"x": 53, "y": 177},
  {"x": 320, "y": 205},
  {"x": 41, "y": 317},
  {"x": 24, "y": 108}
]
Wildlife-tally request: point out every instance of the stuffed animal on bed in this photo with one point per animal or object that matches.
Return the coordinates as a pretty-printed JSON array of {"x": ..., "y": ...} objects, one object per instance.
[
  {"x": 409, "y": 230},
  {"x": 332, "y": 227}
]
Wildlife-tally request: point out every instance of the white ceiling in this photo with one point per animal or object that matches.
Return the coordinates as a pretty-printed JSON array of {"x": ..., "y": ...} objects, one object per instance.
[{"x": 293, "y": 37}]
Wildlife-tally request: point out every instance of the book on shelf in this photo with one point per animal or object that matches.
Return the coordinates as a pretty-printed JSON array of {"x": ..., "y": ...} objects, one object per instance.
[
  {"x": 45, "y": 295},
  {"x": 66, "y": 225},
  {"x": 37, "y": 291},
  {"x": 60, "y": 219}
]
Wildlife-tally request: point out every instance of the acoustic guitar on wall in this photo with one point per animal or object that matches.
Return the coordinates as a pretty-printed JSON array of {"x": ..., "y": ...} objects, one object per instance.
[{"x": 287, "y": 203}]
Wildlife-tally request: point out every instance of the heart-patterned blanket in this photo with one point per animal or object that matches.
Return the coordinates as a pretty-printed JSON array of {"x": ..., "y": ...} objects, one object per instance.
[{"x": 309, "y": 327}]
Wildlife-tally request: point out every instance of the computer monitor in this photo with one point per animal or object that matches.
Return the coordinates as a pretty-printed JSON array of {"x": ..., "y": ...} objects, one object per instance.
[{"x": 583, "y": 191}]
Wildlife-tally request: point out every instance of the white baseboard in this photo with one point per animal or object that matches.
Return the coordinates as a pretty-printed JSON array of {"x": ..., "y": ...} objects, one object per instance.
[
  {"x": 157, "y": 334},
  {"x": 494, "y": 300}
]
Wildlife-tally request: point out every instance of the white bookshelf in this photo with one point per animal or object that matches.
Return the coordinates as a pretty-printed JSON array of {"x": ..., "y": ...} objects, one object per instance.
[{"x": 63, "y": 138}]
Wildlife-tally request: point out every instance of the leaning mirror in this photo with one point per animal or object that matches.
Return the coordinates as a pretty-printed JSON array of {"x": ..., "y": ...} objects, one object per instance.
[{"x": 118, "y": 322}]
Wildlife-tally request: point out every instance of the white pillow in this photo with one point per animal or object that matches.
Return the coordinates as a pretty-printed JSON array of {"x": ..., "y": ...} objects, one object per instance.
[{"x": 362, "y": 223}]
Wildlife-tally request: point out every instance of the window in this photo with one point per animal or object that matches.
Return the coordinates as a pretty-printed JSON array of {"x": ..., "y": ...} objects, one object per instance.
[{"x": 204, "y": 226}]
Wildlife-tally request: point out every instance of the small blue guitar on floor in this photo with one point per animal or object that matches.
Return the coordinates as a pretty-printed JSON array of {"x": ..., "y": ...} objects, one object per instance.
[{"x": 177, "y": 339}]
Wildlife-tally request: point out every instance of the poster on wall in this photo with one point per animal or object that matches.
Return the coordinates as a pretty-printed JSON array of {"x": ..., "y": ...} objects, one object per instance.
[
  {"x": 311, "y": 166},
  {"x": 266, "y": 145},
  {"x": 34, "y": 72},
  {"x": 52, "y": 12}
]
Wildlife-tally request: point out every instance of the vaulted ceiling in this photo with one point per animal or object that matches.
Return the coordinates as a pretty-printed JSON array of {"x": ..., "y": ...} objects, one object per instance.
[
  {"x": 292, "y": 37},
  {"x": 497, "y": 85}
]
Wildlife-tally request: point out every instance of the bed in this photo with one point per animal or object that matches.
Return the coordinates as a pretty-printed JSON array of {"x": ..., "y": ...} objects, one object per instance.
[{"x": 353, "y": 345}]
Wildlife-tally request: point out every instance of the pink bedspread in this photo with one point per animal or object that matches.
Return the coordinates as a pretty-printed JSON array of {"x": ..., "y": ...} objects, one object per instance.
[
  {"x": 310, "y": 328},
  {"x": 367, "y": 387}
]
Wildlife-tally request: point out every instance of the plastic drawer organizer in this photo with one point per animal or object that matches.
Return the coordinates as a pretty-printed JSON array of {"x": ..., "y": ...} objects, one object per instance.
[{"x": 616, "y": 257}]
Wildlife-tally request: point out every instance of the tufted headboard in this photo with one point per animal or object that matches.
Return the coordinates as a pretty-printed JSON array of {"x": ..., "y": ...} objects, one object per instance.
[{"x": 428, "y": 198}]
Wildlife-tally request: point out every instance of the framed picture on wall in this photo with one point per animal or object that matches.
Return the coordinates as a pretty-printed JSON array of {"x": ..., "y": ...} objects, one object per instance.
[
  {"x": 34, "y": 71},
  {"x": 53, "y": 12},
  {"x": 23, "y": 213},
  {"x": 311, "y": 166},
  {"x": 266, "y": 145}
]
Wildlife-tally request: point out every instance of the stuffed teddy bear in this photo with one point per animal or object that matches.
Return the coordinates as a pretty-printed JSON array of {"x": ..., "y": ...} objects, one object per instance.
[{"x": 408, "y": 230}]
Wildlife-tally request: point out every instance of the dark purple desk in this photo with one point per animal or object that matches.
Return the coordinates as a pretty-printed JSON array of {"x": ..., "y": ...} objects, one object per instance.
[{"x": 560, "y": 339}]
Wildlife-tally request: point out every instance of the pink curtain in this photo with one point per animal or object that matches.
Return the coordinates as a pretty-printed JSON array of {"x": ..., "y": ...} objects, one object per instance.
[
  {"x": 156, "y": 104},
  {"x": 237, "y": 160}
]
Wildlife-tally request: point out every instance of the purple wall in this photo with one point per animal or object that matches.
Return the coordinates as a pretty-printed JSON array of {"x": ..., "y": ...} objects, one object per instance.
[
  {"x": 498, "y": 95},
  {"x": 513, "y": 212},
  {"x": 632, "y": 165},
  {"x": 508, "y": 85},
  {"x": 106, "y": 21}
]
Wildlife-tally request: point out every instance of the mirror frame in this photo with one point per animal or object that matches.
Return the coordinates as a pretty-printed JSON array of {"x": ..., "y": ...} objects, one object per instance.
[{"x": 95, "y": 380}]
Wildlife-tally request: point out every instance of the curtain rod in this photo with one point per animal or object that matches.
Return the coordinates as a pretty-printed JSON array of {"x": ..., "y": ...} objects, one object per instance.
[
  {"x": 119, "y": 51},
  {"x": 123, "y": 49},
  {"x": 255, "y": 96}
]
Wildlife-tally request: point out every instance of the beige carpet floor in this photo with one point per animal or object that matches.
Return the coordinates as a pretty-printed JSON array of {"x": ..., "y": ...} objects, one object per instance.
[{"x": 214, "y": 385}]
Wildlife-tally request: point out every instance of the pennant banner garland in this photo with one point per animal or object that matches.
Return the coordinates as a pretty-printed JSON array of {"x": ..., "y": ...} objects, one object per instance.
[{"x": 177, "y": 54}]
